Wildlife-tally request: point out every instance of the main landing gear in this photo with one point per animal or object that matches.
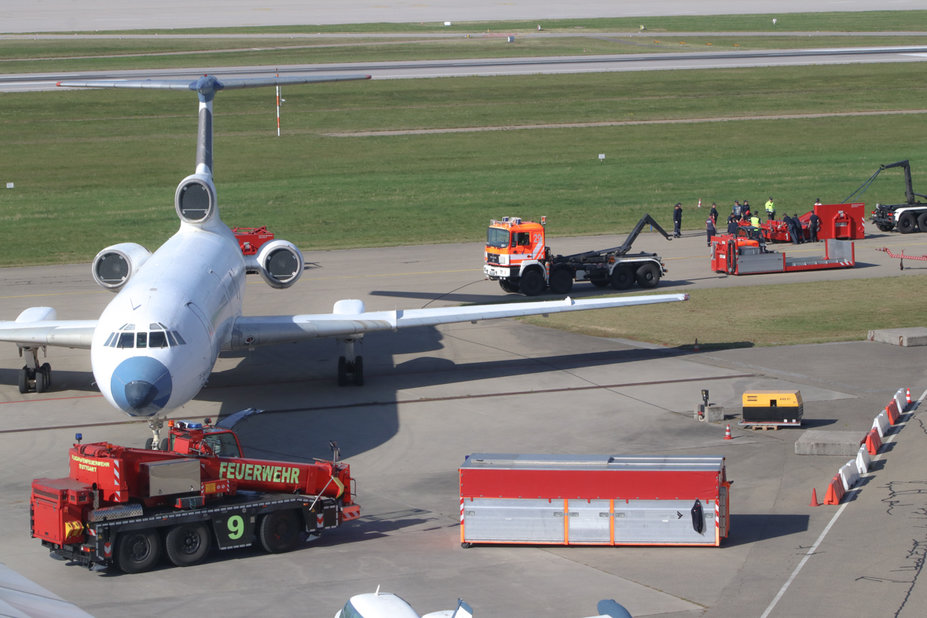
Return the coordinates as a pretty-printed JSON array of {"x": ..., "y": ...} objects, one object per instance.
[
  {"x": 350, "y": 364},
  {"x": 34, "y": 377}
]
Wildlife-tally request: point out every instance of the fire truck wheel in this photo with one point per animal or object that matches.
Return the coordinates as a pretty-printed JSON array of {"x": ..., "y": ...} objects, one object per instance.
[
  {"x": 622, "y": 277},
  {"x": 907, "y": 223},
  {"x": 24, "y": 380},
  {"x": 648, "y": 276},
  {"x": 187, "y": 544},
  {"x": 137, "y": 550},
  {"x": 922, "y": 221},
  {"x": 507, "y": 286},
  {"x": 532, "y": 282},
  {"x": 279, "y": 531},
  {"x": 561, "y": 281}
]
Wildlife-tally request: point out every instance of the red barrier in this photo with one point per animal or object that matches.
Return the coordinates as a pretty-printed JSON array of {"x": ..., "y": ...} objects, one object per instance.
[
  {"x": 873, "y": 441},
  {"x": 835, "y": 491},
  {"x": 891, "y": 410}
]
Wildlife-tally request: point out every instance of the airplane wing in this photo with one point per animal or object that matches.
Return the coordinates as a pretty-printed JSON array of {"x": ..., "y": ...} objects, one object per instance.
[
  {"x": 38, "y": 326},
  {"x": 349, "y": 318},
  {"x": 208, "y": 82}
]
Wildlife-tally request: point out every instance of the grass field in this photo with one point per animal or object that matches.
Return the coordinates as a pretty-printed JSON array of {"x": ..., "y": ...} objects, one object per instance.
[
  {"x": 785, "y": 314},
  {"x": 92, "y": 168},
  {"x": 104, "y": 164}
]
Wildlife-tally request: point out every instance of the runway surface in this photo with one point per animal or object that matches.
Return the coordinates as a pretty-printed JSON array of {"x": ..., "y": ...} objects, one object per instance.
[
  {"x": 436, "y": 395},
  {"x": 89, "y": 15}
]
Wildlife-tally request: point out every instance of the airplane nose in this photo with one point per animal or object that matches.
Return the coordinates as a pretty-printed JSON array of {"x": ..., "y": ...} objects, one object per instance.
[
  {"x": 140, "y": 393},
  {"x": 141, "y": 385}
]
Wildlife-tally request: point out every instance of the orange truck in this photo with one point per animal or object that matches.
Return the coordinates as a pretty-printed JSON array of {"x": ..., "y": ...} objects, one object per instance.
[{"x": 517, "y": 256}]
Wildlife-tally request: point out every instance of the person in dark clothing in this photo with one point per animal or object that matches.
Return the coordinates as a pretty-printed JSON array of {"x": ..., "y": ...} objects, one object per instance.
[
  {"x": 814, "y": 225},
  {"x": 732, "y": 225},
  {"x": 677, "y": 220},
  {"x": 714, "y": 213},
  {"x": 710, "y": 229}
]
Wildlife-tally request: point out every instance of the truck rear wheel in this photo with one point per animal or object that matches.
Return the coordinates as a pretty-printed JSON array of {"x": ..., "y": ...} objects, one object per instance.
[
  {"x": 648, "y": 276},
  {"x": 907, "y": 223},
  {"x": 137, "y": 550},
  {"x": 532, "y": 282},
  {"x": 622, "y": 277},
  {"x": 922, "y": 221},
  {"x": 279, "y": 531},
  {"x": 187, "y": 544},
  {"x": 561, "y": 280}
]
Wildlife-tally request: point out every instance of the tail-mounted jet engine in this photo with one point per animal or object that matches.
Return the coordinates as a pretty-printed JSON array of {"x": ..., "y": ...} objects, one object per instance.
[
  {"x": 279, "y": 262},
  {"x": 113, "y": 266}
]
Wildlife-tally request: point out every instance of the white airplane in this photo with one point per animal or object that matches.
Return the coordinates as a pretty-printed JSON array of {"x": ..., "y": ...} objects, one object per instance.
[
  {"x": 388, "y": 605},
  {"x": 155, "y": 344}
]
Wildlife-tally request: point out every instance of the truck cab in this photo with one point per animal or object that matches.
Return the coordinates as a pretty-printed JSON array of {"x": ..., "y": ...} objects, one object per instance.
[
  {"x": 516, "y": 255},
  {"x": 189, "y": 438}
]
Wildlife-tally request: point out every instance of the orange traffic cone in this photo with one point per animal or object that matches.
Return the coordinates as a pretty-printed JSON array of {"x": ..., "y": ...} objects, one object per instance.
[
  {"x": 727, "y": 432},
  {"x": 907, "y": 395},
  {"x": 814, "y": 497}
]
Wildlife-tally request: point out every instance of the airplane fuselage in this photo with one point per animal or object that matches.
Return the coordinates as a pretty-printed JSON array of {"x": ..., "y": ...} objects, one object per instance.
[{"x": 157, "y": 341}]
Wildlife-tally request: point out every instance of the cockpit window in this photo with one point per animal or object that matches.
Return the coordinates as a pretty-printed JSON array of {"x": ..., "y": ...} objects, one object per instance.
[{"x": 158, "y": 336}]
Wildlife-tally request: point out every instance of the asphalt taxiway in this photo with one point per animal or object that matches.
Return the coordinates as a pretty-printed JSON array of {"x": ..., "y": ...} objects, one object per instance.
[{"x": 435, "y": 395}]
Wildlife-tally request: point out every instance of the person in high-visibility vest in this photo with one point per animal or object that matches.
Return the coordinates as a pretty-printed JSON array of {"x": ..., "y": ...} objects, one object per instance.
[{"x": 770, "y": 209}]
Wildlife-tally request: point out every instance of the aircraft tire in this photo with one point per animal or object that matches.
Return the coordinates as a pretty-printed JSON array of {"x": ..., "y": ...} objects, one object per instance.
[
  {"x": 41, "y": 383},
  {"x": 358, "y": 371},
  {"x": 46, "y": 370},
  {"x": 342, "y": 371},
  {"x": 24, "y": 380}
]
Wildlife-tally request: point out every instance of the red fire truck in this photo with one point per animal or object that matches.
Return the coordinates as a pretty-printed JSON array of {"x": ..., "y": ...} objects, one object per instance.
[{"x": 123, "y": 506}]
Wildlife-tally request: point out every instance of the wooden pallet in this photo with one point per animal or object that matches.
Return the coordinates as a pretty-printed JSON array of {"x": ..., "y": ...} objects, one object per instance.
[{"x": 766, "y": 426}]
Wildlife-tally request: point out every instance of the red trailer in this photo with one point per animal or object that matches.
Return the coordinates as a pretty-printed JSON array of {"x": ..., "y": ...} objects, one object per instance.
[
  {"x": 594, "y": 499},
  {"x": 736, "y": 256},
  {"x": 837, "y": 221}
]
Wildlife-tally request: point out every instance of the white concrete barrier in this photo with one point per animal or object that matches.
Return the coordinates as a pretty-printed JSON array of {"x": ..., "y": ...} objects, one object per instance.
[
  {"x": 862, "y": 461},
  {"x": 849, "y": 475},
  {"x": 901, "y": 399},
  {"x": 880, "y": 423}
]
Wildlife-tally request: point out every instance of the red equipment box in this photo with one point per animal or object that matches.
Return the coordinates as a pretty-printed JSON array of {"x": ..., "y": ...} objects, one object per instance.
[{"x": 594, "y": 500}]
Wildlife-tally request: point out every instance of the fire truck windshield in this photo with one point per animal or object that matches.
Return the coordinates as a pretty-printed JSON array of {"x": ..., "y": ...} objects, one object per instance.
[{"x": 497, "y": 237}]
